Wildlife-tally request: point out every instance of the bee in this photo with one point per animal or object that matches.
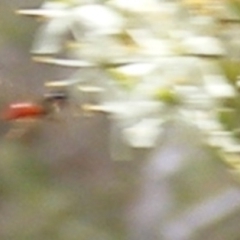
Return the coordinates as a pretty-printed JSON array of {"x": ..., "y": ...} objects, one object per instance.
[
  {"x": 24, "y": 115},
  {"x": 32, "y": 110}
]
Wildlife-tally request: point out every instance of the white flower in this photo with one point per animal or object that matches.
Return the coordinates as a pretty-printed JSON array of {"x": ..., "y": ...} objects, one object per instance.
[{"x": 135, "y": 57}]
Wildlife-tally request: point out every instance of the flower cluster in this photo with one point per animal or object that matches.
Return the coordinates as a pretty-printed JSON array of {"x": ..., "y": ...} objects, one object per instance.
[{"x": 144, "y": 62}]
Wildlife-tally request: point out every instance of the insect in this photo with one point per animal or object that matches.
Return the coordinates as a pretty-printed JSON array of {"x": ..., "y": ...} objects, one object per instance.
[
  {"x": 23, "y": 115},
  {"x": 33, "y": 110},
  {"x": 23, "y": 110}
]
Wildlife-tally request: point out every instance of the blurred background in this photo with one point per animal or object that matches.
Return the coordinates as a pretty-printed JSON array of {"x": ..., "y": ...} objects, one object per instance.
[{"x": 59, "y": 183}]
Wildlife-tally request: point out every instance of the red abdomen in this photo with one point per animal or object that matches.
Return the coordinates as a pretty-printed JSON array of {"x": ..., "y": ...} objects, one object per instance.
[{"x": 22, "y": 110}]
